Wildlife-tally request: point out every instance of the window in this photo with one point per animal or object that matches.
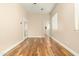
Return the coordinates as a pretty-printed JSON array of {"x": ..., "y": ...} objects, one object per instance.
[
  {"x": 55, "y": 21},
  {"x": 77, "y": 17}
]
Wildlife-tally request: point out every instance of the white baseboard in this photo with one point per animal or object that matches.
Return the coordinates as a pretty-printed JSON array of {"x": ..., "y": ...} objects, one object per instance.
[
  {"x": 35, "y": 36},
  {"x": 66, "y": 47},
  {"x": 5, "y": 51}
]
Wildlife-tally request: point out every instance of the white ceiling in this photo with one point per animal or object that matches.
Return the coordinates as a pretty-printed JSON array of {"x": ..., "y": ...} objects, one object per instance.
[{"x": 36, "y": 8}]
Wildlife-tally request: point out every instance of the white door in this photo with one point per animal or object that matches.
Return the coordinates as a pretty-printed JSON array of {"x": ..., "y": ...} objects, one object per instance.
[{"x": 24, "y": 27}]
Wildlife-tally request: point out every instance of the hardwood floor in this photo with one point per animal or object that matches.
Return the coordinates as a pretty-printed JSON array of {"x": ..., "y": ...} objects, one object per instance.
[{"x": 38, "y": 47}]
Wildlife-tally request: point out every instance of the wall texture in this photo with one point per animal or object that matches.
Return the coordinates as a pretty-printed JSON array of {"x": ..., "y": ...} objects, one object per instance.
[
  {"x": 66, "y": 33},
  {"x": 10, "y": 27}
]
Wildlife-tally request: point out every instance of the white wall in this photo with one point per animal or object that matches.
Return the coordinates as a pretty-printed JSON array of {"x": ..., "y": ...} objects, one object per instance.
[
  {"x": 36, "y": 23},
  {"x": 10, "y": 27},
  {"x": 66, "y": 26}
]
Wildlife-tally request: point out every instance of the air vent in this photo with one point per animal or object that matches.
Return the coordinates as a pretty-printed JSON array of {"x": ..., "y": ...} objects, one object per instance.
[{"x": 34, "y": 3}]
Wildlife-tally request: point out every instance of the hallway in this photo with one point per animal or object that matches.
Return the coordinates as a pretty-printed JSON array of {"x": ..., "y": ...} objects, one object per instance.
[
  {"x": 39, "y": 29},
  {"x": 38, "y": 47}
]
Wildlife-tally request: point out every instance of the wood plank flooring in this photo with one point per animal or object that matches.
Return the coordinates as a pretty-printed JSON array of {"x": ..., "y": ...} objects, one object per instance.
[{"x": 38, "y": 47}]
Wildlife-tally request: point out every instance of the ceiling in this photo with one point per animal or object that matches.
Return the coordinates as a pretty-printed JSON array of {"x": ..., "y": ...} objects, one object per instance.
[{"x": 38, "y": 7}]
